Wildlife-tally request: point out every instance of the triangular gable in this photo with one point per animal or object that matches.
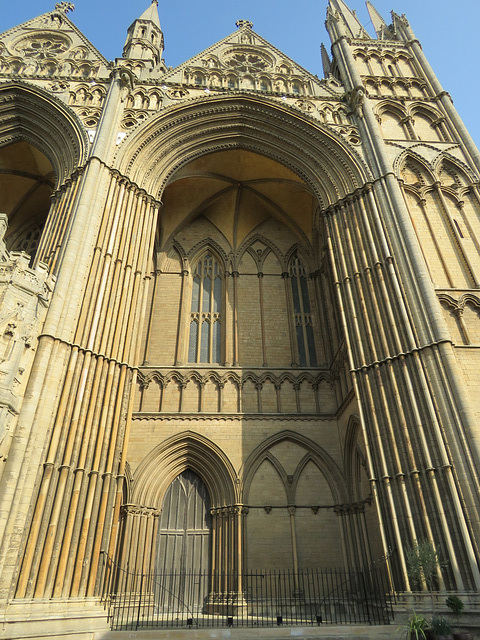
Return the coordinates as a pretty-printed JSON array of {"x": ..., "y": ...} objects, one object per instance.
[
  {"x": 49, "y": 45},
  {"x": 245, "y": 60}
]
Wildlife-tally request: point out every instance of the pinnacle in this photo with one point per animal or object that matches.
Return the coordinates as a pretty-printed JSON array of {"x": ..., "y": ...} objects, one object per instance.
[
  {"x": 243, "y": 23},
  {"x": 151, "y": 14},
  {"x": 349, "y": 17}
]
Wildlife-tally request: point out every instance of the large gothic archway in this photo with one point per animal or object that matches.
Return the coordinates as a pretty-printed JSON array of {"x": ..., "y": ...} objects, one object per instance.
[
  {"x": 42, "y": 144},
  {"x": 153, "y": 153},
  {"x": 243, "y": 179}
]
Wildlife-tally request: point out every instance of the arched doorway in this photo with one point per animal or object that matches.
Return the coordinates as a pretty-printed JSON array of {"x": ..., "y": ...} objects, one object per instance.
[
  {"x": 183, "y": 557},
  {"x": 184, "y": 533}
]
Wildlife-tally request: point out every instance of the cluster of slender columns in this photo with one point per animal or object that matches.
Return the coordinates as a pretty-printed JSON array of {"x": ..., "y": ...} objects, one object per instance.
[
  {"x": 411, "y": 466},
  {"x": 81, "y": 488},
  {"x": 418, "y": 426},
  {"x": 137, "y": 547},
  {"x": 58, "y": 223},
  {"x": 227, "y": 535},
  {"x": 354, "y": 533}
]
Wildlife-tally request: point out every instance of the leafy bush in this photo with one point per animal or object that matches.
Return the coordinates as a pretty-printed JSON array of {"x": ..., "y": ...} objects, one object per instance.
[
  {"x": 422, "y": 564},
  {"x": 455, "y": 605},
  {"x": 440, "y": 626}
]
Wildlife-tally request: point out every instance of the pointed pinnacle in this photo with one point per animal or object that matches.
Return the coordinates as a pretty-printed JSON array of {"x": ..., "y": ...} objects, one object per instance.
[
  {"x": 151, "y": 14},
  {"x": 349, "y": 18},
  {"x": 327, "y": 65},
  {"x": 379, "y": 24}
]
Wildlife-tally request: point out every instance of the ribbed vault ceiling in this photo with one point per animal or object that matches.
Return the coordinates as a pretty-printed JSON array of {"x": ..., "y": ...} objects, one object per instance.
[
  {"x": 237, "y": 191},
  {"x": 26, "y": 183}
]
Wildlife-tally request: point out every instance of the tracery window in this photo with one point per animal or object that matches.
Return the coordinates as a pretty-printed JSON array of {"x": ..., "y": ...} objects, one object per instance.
[
  {"x": 303, "y": 316},
  {"x": 28, "y": 240},
  {"x": 205, "y": 316}
]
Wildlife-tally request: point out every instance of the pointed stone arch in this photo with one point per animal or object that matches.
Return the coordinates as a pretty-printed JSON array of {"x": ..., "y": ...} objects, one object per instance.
[
  {"x": 389, "y": 106},
  {"x": 174, "y": 255},
  {"x": 186, "y": 450},
  {"x": 447, "y": 159},
  {"x": 318, "y": 455},
  {"x": 208, "y": 244},
  {"x": 258, "y": 237},
  {"x": 428, "y": 120},
  {"x": 393, "y": 120},
  {"x": 419, "y": 168},
  {"x": 318, "y": 155},
  {"x": 308, "y": 457},
  {"x": 298, "y": 249},
  {"x": 30, "y": 114}
]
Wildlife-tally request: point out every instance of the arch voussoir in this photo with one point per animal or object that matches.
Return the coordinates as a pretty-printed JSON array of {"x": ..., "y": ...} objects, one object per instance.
[{"x": 186, "y": 450}]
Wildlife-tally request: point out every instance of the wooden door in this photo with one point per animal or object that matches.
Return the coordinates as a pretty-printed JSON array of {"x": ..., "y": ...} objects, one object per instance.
[{"x": 183, "y": 552}]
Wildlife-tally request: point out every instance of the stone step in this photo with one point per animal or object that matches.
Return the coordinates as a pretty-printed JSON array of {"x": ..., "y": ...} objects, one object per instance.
[{"x": 330, "y": 632}]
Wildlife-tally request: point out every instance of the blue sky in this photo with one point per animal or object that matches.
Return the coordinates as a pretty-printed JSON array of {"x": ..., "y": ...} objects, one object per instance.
[{"x": 448, "y": 31}]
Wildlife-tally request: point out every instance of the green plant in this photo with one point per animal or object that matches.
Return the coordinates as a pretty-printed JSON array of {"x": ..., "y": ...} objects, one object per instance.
[
  {"x": 440, "y": 626},
  {"x": 415, "y": 627},
  {"x": 422, "y": 564},
  {"x": 455, "y": 604}
]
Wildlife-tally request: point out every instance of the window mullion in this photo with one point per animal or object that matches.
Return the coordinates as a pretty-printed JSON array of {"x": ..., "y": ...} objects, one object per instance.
[
  {"x": 302, "y": 310},
  {"x": 304, "y": 321},
  {"x": 210, "y": 315},
  {"x": 200, "y": 314}
]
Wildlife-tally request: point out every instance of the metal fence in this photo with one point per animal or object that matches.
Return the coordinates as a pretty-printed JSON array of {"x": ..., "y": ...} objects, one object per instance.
[{"x": 254, "y": 599}]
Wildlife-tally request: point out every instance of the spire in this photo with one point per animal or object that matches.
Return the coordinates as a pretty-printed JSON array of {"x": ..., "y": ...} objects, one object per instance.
[
  {"x": 327, "y": 64},
  {"x": 349, "y": 18},
  {"x": 379, "y": 24},
  {"x": 145, "y": 37},
  {"x": 151, "y": 14}
]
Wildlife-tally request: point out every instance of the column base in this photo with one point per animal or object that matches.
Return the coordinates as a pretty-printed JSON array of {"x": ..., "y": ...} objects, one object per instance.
[{"x": 225, "y": 604}]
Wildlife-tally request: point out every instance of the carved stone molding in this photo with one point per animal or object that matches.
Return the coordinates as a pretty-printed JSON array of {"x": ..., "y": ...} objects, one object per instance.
[
  {"x": 137, "y": 510},
  {"x": 167, "y": 131}
]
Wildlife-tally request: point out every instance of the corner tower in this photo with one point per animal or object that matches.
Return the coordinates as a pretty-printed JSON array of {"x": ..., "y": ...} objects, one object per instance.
[
  {"x": 425, "y": 168},
  {"x": 145, "y": 38}
]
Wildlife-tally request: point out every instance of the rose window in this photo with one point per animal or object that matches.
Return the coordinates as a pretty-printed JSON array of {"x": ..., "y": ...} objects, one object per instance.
[
  {"x": 244, "y": 62},
  {"x": 41, "y": 48}
]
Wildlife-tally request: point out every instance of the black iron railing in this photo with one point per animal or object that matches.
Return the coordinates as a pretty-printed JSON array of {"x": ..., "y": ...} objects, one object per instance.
[{"x": 254, "y": 599}]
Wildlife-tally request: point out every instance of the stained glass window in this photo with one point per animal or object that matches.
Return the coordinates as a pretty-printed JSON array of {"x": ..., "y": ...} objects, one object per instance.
[
  {"x": 205, "y": 316},
  {"x": 303, "y": 316}
]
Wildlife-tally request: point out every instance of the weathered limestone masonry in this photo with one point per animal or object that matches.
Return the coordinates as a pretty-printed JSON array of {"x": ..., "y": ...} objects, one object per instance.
[{"x": 239, "y": 322}]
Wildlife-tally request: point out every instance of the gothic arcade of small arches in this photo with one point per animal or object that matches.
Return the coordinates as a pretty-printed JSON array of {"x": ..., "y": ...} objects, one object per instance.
[{"x": 243, "y": 372}]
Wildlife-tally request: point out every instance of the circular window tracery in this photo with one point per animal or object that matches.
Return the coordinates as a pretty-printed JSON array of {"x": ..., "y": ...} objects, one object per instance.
[
  {"x": 42, "y": 47},
  {"x": 245, "y": 61}
]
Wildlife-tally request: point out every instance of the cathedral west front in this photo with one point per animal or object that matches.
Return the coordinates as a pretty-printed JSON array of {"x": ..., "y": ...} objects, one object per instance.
[{"x": 239, "y": 321}]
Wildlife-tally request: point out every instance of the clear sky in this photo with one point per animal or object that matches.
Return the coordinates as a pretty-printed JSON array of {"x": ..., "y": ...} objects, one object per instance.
[{"x": 448, "y": 30}]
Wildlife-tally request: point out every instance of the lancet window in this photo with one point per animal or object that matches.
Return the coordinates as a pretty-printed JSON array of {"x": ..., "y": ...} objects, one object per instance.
[
  {"x": 205, "y": 316},
  {"x": 303, "y": 315}
]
